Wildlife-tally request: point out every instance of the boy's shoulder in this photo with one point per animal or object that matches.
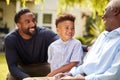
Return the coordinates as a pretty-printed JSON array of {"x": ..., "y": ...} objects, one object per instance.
[
  {"x": 55, "y": 42},
  {"x": 76, "y": 40}
]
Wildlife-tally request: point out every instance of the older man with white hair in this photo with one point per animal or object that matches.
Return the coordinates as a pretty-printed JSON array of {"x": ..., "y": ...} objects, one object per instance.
[{"x": 102, "y": 62}]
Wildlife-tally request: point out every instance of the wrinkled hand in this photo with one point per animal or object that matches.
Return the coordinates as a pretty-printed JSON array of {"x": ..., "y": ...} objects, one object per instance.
[
  {"x": 28, "y": 78},
  {"x": 60, "y": 75},
  {"x": 68, "y": 78},
  {"x": 80, "y": 77}
]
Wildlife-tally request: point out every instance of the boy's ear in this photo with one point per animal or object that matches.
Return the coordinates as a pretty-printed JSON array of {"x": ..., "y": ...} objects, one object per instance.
[{"x": 57, "y": 29}]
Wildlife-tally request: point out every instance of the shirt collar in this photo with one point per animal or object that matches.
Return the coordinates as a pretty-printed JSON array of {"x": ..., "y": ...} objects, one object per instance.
[
  {"x": 113, "y": 33},
  {"x": 65, "y": 42}
]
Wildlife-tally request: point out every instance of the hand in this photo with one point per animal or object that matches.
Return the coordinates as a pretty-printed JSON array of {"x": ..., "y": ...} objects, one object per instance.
[
  {"x": 28, "y": 78},
  {"x": 80, "y": 77},
  {"x": 51, "y": 74},
  {"x": 68, "y": 78},
  {"x": 60, "y": 75}
]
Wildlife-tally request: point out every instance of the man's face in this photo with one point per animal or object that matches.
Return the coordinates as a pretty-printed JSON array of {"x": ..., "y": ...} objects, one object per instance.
[
  {"x": 66, "y": 30},
  {"x": 27, "y": 24},
  {"x": 110, "y": 17}
]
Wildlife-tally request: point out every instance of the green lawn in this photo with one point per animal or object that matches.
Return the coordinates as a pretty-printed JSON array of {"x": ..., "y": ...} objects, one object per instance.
[{"x": 3, "y": 67}]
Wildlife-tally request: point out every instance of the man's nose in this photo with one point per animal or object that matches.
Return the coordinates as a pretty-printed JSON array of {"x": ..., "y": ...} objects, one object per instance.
[
  {"x": 32, "y": 23},
  {"x": 102, "y": 17}
]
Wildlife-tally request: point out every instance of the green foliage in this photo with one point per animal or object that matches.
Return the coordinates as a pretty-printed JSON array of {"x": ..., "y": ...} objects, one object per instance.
[
  {"x": 94, "y": 26},
  {"x": 24, "y": 2},
  {"x": 3, "y": 67},
  {"x": 97, "y": 6},
  {"x": 82, "y": 39},
  {"x": 94, "y": 5},
  {"x": 64, "y": 5}
]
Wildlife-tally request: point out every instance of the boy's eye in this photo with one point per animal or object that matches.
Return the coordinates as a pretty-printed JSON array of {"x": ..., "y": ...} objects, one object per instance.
[
  {"x": 66, "y": 27},
  {"x": 69, "y": 28}
]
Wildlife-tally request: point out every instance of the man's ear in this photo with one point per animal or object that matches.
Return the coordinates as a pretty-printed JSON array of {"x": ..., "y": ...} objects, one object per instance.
[
  {"x": 18, "y": 25},
  {"x": 116, "y": 11}
]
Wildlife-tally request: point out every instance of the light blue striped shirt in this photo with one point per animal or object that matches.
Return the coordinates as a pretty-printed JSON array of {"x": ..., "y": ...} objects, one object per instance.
[
  {"x": 61, "y": 53},
  {"x": 102, "y": 62}
]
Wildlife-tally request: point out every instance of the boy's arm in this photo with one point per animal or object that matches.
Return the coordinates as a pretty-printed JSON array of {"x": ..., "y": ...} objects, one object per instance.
[{"x": 63, "y": 69}]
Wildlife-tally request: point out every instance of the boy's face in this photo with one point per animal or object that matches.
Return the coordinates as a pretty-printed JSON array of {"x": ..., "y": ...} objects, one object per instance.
[{"x": 66, "y": 30}]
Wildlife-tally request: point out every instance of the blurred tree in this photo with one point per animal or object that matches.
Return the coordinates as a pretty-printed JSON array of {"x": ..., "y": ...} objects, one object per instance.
[
  {"x": 96, "y": 6},
  {"x": 24, "y": 2}
]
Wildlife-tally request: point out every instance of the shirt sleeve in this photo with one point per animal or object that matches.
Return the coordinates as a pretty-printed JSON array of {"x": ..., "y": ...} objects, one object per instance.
[
  {"x": 113, "y": 73},
  {"x": 12, "y": 58},
  {"x": 76, "y": 70},
  {"x": 50, "y": 53},
  {"x": 77, "y": 53}
]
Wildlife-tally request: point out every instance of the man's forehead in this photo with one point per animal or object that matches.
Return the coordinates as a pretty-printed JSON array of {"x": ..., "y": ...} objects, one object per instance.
[
  {"x": 28, "y": 15},
  {"x": 114, "y": 4},
  {"x": 109, "y": 5}
]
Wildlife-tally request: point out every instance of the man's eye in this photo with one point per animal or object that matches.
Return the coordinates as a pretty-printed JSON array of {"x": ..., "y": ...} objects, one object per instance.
[
  {"x": 27, "y": 21},
  {"x": 33, "y": 20}
]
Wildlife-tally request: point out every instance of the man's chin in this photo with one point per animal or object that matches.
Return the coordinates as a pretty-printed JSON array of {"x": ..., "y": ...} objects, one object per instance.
[{"x": 31, "y": 33}]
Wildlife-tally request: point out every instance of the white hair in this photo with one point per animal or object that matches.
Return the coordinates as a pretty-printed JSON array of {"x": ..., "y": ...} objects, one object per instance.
[{"x": 114, "y": 3}]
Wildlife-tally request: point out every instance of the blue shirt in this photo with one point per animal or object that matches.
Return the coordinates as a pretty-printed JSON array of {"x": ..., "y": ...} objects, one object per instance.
[
  {"x": 20, "y": 51},
  {"x": 102, "y": 62},
  {"x": 61, "y": 53}
]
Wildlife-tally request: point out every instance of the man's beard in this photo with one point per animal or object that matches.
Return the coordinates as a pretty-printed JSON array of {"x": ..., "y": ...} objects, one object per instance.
[{"x": 28, "y": 32}]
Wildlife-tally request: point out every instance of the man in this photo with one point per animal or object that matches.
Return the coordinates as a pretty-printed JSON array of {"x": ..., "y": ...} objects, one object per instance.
[
  {"x": 26, "y": 47},
  {"x": 102, "y": 61}
]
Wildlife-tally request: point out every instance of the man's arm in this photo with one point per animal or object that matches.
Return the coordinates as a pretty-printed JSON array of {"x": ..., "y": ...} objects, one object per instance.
[
  {"x": 12, "y": 59},
  {"x": 112, "y": 73}
]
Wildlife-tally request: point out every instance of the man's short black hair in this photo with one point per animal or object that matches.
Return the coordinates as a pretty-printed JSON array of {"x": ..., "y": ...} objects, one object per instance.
[{"x": 20, "y": 13}]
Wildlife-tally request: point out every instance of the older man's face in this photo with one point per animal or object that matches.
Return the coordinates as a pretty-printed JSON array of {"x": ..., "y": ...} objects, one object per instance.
[{"x": 110, "y": 17}]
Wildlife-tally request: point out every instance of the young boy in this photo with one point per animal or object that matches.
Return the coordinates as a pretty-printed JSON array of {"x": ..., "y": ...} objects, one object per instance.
[{"x": 66, "y": 52}]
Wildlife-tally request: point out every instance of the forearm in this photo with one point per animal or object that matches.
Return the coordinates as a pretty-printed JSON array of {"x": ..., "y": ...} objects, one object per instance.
[
  {"x": 17, "y": 72},
  {"x": 63, "y": 69},
  {"x": 14, "y": 69},
  {"x": 60, "y": 70}
]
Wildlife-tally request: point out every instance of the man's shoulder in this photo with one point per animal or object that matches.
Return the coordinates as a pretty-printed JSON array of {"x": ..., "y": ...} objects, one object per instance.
[
  {"x": 43, "y": 29},
  {"x": 45, "y": 32},
  {"x": 12, "y": 34},
  {"x": 56, "y": 42}
]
